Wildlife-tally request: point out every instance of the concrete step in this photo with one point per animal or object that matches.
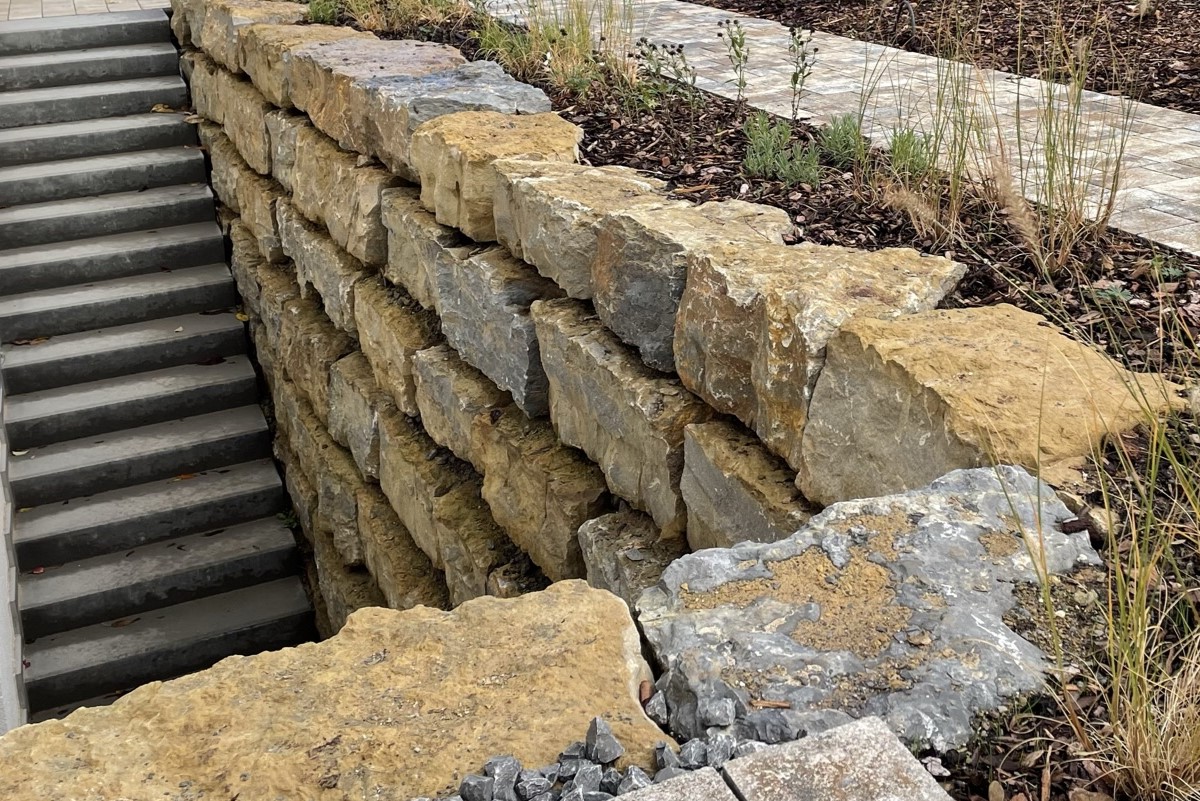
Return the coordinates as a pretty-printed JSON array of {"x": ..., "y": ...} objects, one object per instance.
[
  {"x": 194, "y": 635},
  {"x": 66, "y": 140},
  {"x": 121, "y": 350},
  {"x": 73, "y": 67},
  {"x": 63, "y": 220},
  {"x": 87, "y": 30},
  {"x": 104, "y": 257},
  {"x": 60, "y": 712},
  {"x": 111, "y": 404},
  {"x": 153, "y": 576},
  {"x": 88, "y": 101},
  {"x": 90, "y": 465},
  {"x": 134, "y": 516},
  {"x": 67, "y": 310},
  {"x": 100, "y": 175}
]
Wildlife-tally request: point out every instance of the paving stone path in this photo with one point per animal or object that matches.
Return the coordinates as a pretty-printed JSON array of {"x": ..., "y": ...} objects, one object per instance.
[
  {"x": 1160, "y": 186},
  {"x": 33, "y": 9}
]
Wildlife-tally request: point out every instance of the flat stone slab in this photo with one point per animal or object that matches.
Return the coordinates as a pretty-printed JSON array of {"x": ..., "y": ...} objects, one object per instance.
[
  {"x": 861, "y": 761},
  {"x": 699, "y": 785},
  {"x": 889, "y": 606}
]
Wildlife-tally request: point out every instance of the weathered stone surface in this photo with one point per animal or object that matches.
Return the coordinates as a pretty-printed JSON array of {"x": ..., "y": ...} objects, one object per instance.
[
  {"x": 754, "y": 321},
  {"x": 277, "y": 285},
  {"x": 243, "y": 112},
  {"x": 625, "y": 553},
  {"x": 309, "y": 344},
  {"x": 404, "y": 573},
  {"x": 484, "y": 304},
  {"x": 416, "y": 245},
  {"x": 204, "y": 81},
  {"x": 549, "y": 213},
  {"x": 283, "y": 127},
  {"x": 245, "y": 261},
  {"x": 344, "y": 589},
  {"x": 860, "y": 761},
  {"x": 329, "y": 187},
  {"x": 264, "y": 53},
  {"x": 300, "y": 489},
  {"x": 437, "y": 498},
  {"x": 325, "y": 715},
  {"x": 338, "y": 485},
  {"x": 639, "y": 266},
  {"x": 354, "y": 403},
  {"x": 398, "y": 104},
  {"x": 626, "y": 417},
  {"x": 905, "y": 400},
  {"x": 320, "y": 264},
  {"x": 330, "y": 81},
  {"x": 516, "y": 577},
  {"x": 245, "y": 191},
  {"x": 391, "y": 329},
  {"x": 223, "y": 21},
  {"x": 889, "y": 606},
  {"x": 187, "y": 18},
  {"x": 736, "y": 490},
  {"x": 451, "y": 396},
  {"x": 454, "y": 156},
  {"x": 698, "y": 785}
]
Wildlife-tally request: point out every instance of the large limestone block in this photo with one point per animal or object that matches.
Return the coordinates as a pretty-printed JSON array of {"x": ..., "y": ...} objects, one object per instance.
[
  {"x": 454, "y": 156},
  {"x": 893, "y": 606},
  {"x": 321, "y": 265},
  {"x": 338, "y": 486},
  {"x": 549, "y": 213},
  {"x": 302, "y": 493},
  {"x": 244, "y": 191},
  {"x": 245, "y": 262},
  {"x": 204, "y": 82},
  {"x": 243, "y": 111},
  {"x": 539, "y": 490},
  {"x": 626, "y": 417},
  {"x": 904, "y": 400},
  {"x": 392, "y": 327},
  {"x": 187, "y": 18},
  {"x": 736, "y": 490},
  {"x": 403, "y": 572},
  {"x": 625, "y": 553},
  {"x": 416, "y": 245},
  {"x": 283, "y": 127},
  {"x": 754, "y": 322},
  {"x": 277, "y": 286},
  {"x": 484, "y": 304},
  {"x": 224, "y": 20},
  {"x": 398, "y": 705},
  {"x": 639, "y": 267},
  {"x": 226, "y": 163},
  {"x": 330, "y": 81},
  {"x": 344, "y": 589},
  {"x": 329, "y": 187},
  {"x": 354, "y": 403},
  {"x": 437, "y": 498},
  {"x": 265, "y": 50},
  {"x": 309, "y": 344},
  {"x": 401, "y": 103}
]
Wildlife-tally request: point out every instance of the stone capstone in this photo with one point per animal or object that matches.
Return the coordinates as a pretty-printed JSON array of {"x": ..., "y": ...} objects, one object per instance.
[
  {"x": 902, "y": 401},
  {"x": 354, "y": 403},
  {"x": 626, "y": 417},
  {"x": 391, "y": 329},
  {"x": 625, "y": 553},
  {"x": 316, "y": 719},
  {"x": 265, "y": 53},
  {"x": 454, "y": 157},
  {"x": 484, "y": 305},
  {"x": 403, "y": 572},
  {"x": 223, "y": 21},
  {"x": 639, "y": 266},
  {"x": 890, "y": 606},
  {"x": 754, "y": 322},
  {"x": 549, "y": 213},
  {"x": 417, "y": 244},
  {"x": 321, "y": 265},
  {"x": 735, "y": 489}
]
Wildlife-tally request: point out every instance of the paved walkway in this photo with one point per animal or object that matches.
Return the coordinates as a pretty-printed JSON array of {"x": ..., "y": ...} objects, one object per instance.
[
  {"x": 33, "y": 9},
  {"x": 1160, "y": 195}
]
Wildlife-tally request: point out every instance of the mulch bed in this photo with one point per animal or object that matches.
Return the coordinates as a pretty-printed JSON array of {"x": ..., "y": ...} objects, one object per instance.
[{"x": 1153, "y": 57}]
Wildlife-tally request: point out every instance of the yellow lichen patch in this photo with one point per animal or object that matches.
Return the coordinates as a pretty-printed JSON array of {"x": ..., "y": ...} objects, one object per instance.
[{"x": 857, "y": 604}]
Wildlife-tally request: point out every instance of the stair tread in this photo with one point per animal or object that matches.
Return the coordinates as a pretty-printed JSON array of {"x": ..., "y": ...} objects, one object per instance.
[
  {"x": 135, "y": 443},
  {"x": 157, "y": 499},
  {"x": 172, "y": 628},
  {"x": 153, "y": 384},
  {"x": 105, "y": 340},
  {"x": 48, "y": 301},
  {"x": 76, "y": 92},
  {"x": 117, "y": 201},
  {"x": 144, "y": 159},
  {"x": 56, "y": 57},
  {"x": 24, "y": 27},
  {"x": 154, "y": 239},
  {"x": 130, "y": 128},
  {"x": 154, "y": 562}
]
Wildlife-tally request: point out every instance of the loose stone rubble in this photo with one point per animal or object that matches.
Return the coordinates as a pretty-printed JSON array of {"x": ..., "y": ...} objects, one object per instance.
[{"x": 887, "y": 606}]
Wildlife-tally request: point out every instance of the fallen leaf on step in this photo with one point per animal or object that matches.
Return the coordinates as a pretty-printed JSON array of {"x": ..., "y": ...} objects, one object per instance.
[
  {"x": 163, "y": 108},
  {"x": 37, "y": 571},
  {"x": 34, "y": 341},
  {"x": 19, "y": 453},
  {"x": 123, "y": 622},
  {"x": 184, "y": 476},
  {"x": 179, "y": 330},
  {"x": 242, "y": 316},
  {"x": 193, "y": 119}
]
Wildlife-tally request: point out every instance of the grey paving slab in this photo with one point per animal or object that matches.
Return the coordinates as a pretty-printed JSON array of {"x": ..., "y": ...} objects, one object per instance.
[{"x": 701, "y": 785}]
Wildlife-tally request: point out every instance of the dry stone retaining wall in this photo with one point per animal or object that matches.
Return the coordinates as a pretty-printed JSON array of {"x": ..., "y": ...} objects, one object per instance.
[{"x": 493, "y": 368}]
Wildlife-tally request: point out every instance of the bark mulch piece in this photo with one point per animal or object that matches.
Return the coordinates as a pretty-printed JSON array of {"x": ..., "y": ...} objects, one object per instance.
[{"x": 1152, "y": 57}]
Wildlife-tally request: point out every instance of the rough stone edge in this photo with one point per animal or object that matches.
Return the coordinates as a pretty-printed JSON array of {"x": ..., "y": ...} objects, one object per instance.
[{"x": 14, "y": 708}]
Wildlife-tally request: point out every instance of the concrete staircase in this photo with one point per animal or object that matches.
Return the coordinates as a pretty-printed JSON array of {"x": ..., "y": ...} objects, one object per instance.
[{"x": 146, "y": 531}]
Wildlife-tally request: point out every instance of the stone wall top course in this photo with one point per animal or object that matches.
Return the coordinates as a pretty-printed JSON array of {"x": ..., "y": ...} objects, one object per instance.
[
  {"x": 222, "y": 23},
  {"x": 265, "y": 53}
]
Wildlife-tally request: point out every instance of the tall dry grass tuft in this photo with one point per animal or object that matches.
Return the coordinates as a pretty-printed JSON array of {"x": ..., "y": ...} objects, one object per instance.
[{"x": 406, "y": 17}]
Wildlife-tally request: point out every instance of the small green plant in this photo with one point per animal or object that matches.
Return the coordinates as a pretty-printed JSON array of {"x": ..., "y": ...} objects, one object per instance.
[
  {"x": 323, "y": 12},
  {"x": 771, "y": 153},
  {"x": 909, "y": 155},
  {"x": 734, "y": 36},
  {"x": 802, "y": 59},
  {"x": 842, "y": 144},
  {"x": 664, "y": 72}
]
